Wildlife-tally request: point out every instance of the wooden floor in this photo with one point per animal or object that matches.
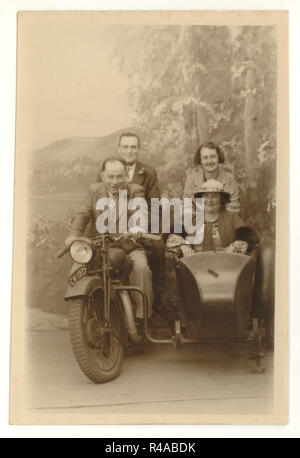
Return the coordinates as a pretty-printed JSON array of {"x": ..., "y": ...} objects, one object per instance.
[{"x": 158, "y": 382}]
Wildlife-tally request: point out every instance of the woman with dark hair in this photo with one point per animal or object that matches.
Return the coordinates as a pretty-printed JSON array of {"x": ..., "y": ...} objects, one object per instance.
[{"x": 209, "y": 161}]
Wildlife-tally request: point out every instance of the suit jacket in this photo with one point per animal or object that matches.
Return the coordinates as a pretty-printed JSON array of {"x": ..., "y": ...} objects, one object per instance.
[
  {"x": 88, "y": 214},
  {"x": 195, "y": 179},
  {"x": 146, "y": 176}
]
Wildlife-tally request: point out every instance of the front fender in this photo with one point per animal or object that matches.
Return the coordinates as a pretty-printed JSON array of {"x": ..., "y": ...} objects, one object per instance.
[{"x": 86, "y": 286}]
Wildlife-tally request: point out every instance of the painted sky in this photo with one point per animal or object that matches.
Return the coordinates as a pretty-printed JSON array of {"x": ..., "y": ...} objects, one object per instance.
[{"x": 69, "y": 82}]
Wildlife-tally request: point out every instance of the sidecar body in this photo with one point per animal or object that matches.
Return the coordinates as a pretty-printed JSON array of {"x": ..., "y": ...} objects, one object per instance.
[{"x": 215, "y": 290}]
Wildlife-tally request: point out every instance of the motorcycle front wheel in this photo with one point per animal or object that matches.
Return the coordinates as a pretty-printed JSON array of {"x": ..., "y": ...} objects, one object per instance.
[{"x": 97, "y": 348}]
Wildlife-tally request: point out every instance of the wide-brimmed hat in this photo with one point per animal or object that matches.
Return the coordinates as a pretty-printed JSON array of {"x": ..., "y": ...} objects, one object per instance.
[{"x": 212, "y": 186}]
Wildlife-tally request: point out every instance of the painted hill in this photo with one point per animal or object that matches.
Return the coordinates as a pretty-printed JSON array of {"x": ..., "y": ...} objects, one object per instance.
[
  {"x": 70, "y": 164},
  {"x": 68, "y": 149}
]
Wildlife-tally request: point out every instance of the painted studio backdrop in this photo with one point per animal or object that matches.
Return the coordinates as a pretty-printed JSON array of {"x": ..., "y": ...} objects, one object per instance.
[{"x": 177, "y": 87}]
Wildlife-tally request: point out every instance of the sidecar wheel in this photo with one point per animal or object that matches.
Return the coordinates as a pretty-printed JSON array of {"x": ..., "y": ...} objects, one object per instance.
[{"x": 99, "y": 354}]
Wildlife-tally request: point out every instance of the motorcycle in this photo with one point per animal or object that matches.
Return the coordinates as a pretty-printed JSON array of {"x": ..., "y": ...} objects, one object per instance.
[
  {"x": 213, "y": 303},
  {"x": 101, "y": 315}
]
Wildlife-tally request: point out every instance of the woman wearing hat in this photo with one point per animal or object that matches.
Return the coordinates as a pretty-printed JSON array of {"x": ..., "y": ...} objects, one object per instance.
[
  {"x": 220, "y": 225},
  {"x": 223, "y": 229},
  {"x": 209, "y": 164}
]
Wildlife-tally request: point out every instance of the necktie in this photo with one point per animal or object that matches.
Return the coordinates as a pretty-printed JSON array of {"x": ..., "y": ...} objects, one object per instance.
[
  {"x": 130, "y": 173},
  {"x": 112, "y": 211}
]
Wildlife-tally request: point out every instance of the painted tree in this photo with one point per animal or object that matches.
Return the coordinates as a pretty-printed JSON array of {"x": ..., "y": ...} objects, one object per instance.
[
  {"x": 177, "y": 100},
  {"x": 190, "y": 84},
  {"x": 255, "y": 57}
]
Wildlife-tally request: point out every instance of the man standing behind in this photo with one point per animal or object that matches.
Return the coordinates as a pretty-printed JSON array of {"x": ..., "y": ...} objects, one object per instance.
[{"x": 137, "y": 172}]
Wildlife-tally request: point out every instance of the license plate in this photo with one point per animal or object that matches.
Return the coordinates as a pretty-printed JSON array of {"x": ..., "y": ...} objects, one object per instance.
[{"x": 79, "y": 273}]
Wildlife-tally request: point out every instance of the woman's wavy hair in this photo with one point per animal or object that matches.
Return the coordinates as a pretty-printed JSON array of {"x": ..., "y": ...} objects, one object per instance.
[{"x": 210, "y": 145}]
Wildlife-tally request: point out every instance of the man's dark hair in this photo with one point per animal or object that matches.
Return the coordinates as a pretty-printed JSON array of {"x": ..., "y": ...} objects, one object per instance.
[
  {"x": 129, "y": 134},
  {"x": 210, "y": 145},
  {"x": 113, "y": 159}
]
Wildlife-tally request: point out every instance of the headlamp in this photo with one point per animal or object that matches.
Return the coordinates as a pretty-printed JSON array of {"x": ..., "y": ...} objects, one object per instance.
[{"x": 81, "y": 251}]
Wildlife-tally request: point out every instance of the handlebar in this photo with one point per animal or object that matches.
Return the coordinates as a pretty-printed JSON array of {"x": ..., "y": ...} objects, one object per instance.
[
  {"x": 128, "y": 235},
  {"x": 62, "y": 252},
  {"x": 148, "y": 236},
  {"x": 145, "y": 236}
]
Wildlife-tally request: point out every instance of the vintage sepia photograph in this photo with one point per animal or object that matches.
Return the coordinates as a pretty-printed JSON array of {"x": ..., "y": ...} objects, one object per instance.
[{"x": 151, "y": 218}]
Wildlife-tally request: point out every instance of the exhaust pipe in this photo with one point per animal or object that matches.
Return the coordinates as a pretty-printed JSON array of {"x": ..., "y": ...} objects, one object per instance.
[{"x": 126, "y": 301}]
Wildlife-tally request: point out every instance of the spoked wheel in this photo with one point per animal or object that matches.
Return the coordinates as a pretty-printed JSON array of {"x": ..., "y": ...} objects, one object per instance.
[{"x": 97, "y": 348}]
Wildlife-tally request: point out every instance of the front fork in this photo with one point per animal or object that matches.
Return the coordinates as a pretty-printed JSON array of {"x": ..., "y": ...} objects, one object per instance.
[
  {"x": 107, "y": 297},
  {"x": 106, "y": 275}
]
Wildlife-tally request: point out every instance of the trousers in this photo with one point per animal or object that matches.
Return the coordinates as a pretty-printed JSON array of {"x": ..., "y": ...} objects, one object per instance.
[{"x": 141, "y": 276}]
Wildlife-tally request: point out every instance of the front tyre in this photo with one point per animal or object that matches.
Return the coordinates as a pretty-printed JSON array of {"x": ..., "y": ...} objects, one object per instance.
[{"x": 98, "y": 350}]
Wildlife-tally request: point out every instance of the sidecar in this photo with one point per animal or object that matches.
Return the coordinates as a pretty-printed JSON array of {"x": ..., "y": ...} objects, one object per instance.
[
  {"x": 216, "y": 291},
  {"x": 215, "y": 301}
]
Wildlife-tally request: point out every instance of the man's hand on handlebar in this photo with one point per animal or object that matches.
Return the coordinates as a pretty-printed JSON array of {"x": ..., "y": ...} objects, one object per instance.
[
  {"x": 140, "y": 233},
  {"x": 145, "y": 236}
]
